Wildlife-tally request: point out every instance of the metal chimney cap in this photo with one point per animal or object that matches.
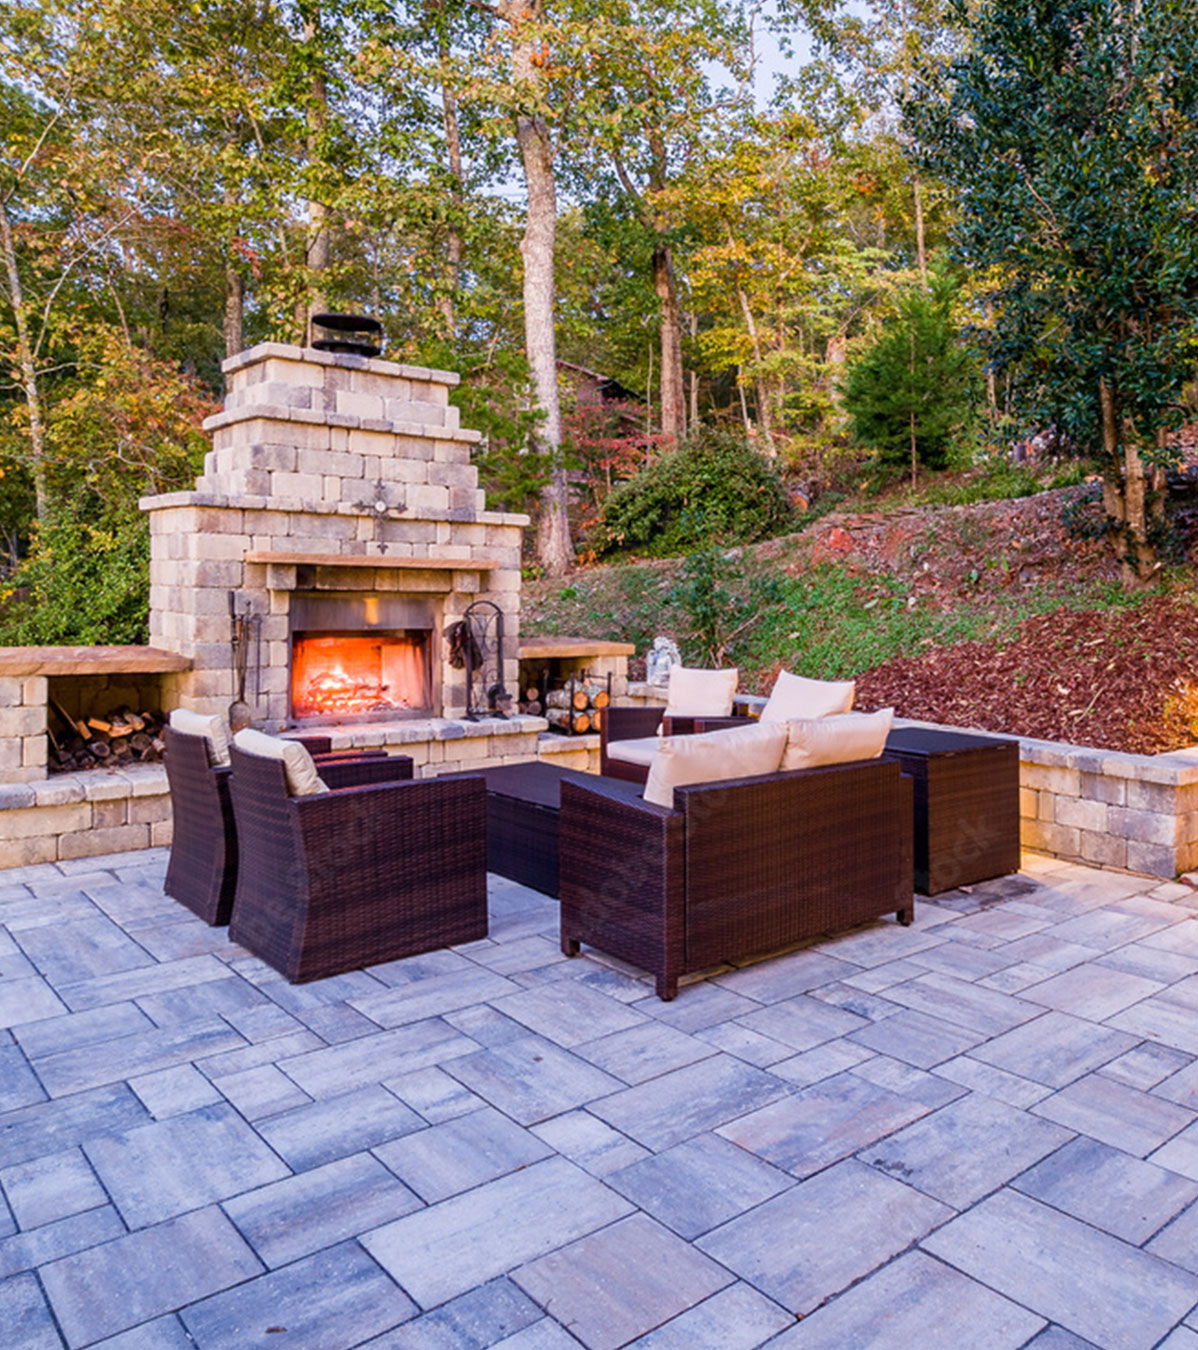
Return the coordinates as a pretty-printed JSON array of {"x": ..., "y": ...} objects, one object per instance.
[{"x": 366, "y": 334}]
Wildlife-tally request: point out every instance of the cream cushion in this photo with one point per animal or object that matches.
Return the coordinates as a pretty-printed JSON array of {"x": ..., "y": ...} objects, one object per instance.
[
  {"x": 635, "y": 750},
  {"x": 793, "y": 696},
  {"x": 700, "y": 693},
  {"x": 298, "y": 765},
  {"x": 713, "y": 757},
  {"x": 838, "y": 739},
  {"x": 212, "y": 729}
]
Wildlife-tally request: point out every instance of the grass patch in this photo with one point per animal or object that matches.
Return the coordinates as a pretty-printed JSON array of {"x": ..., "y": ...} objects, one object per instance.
[{"x": 827, "y": 623}]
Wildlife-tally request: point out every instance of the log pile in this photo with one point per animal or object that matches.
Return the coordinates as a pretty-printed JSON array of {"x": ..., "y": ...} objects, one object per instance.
[
  {"x": 576, "y": 709},
  {"x": 109, "y": 741}
]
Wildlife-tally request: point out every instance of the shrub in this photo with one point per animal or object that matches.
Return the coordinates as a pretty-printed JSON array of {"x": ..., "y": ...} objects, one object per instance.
[
  {"x": 719, "y": 603},
  {"x": 714, "y": 489},
  {"x": 81, "y": 584}
]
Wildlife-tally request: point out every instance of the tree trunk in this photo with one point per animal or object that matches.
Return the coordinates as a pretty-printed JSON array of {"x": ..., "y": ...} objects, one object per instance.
[
  {"x": 1125, "y": 498},
  {"x": 555, "y": 552},
  {"x": 234, "y": 310},
  {"x": 28, "y": 366},
  {"x": 319, "y": 249},
  {"x": 453, "y": 244},
  {"x": 764, "y": 412},
  {"x": 694, "y": 416},
  {"x": 921, "y": 252},
  {"x": 673, "y": 398}
]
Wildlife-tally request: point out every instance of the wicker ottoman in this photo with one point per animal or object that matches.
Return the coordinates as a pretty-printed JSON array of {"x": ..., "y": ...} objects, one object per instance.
[
  {"x": 523, "y": 801},
  {"x": 966, "y": 805}
]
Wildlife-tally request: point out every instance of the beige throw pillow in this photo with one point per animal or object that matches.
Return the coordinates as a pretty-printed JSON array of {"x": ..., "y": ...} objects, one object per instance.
[
  {"x": 794, "y": 696},
  {"x": 837, "y": 739},
  {"x": 298, "y": 765},
  {"x": 700, "y": 693},
  {"x": 212, "y": 728},
  {"x": 713, "y": 757}
]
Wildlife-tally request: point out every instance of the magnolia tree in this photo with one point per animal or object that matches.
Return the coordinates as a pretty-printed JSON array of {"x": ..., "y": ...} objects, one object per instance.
[{"x": 1069, "y": 133}]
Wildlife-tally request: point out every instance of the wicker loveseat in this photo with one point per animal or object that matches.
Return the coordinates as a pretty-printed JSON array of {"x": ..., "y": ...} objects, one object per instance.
[
  {"x": 202, "y": 872},
  {"x": 736, "y": 869},
  {"x": 353, "y": 877}
]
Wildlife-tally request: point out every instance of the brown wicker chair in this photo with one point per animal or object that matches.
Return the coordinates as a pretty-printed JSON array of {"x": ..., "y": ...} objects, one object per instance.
[
  {"x": 202, "y": 872},
  {"x": 737, "y": 869},
  {"x": 637, "y": 724},
  {"x": 353, "y": 877}
]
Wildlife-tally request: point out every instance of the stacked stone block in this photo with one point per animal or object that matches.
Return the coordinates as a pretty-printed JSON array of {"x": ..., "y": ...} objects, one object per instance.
[
  {"x": 326, "y": 456},
  {"x": 1137, "y": 812},
  {"x": 23, "y": 748}
]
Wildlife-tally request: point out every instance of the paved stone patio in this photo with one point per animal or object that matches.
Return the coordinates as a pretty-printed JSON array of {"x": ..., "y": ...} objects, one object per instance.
[{"x": 978, "y": 1132}]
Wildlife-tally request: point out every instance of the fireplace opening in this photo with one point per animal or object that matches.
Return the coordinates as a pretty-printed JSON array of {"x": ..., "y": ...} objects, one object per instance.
[{"x": 337, "y": 675}]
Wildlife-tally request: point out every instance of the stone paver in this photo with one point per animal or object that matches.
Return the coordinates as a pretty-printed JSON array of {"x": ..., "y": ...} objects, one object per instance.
[
  {"x": 1039, "y": 1257},
  {"x": 823, "y": 1235},
  {"x": 1109, "y": 1189},
  {"x": 981, "y": 1131},
  {"x": 914, "y": 1301},
  {"x": 621, "y": 1282},
  {"x": 331, "y": 1300}
]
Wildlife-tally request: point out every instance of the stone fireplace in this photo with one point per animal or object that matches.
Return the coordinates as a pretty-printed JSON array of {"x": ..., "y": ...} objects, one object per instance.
[{"x": 340, "y": 509}]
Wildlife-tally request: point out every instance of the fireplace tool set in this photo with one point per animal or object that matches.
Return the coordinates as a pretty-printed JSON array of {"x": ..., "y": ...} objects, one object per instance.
[{"x": 245, "y": 634}]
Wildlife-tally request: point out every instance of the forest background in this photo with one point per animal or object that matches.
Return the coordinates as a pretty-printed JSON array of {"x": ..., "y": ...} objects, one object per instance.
[{"x": 517, "y": 190}]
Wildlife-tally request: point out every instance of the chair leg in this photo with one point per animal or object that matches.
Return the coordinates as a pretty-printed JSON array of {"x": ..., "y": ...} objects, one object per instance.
[
  {"x": 667, "y": 987},
  {"x": 906, "y": 917},
  {"x": 570, "y": 946}
]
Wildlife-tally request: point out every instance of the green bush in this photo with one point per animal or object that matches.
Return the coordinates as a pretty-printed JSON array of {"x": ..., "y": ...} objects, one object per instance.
[
  {"x": 714, "y": 489},
  {"x": 80, "y": 584}
]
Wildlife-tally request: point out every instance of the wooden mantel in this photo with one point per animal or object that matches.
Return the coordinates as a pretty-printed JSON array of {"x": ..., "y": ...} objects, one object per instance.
[
  {"x": 552, "y": 648},
  {"x": 371, "y": 560}
]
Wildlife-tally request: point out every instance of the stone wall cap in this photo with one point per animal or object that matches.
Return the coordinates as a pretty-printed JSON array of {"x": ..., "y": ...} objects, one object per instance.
[
  {"x": 278, "y": 412},
  {"x": 24, "y": 661},
  {"x": 281, "y": 351},
  {"x": 68, "y": 789}
]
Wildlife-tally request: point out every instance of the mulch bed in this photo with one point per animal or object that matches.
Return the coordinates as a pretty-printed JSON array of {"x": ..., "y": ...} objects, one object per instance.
[{"x": 1118, "y": 680}]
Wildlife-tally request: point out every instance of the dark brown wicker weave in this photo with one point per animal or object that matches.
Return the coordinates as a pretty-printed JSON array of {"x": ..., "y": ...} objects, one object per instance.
[
  {"x": 737, "y": 869},
  {"x": 350, "y": 878},
  {"x": 966, "y": 805},
  {"x": 626, "y": 724},
  {"x": 202, "y": 872},
  {"x": 523, "y": 802}
]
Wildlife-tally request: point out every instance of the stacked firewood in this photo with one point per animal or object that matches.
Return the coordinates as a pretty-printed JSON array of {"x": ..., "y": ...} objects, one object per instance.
[
  {"x": 110, "y": 741},
  {"x": 575, "y": 709}
]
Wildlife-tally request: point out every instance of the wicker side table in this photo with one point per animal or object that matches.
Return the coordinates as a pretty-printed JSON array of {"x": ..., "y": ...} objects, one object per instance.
[{"x": 966, "y": 805}]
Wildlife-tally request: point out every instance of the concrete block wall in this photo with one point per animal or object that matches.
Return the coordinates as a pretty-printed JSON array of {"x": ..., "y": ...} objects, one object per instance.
[
  {"x": 80, "y": 815},
  {"x": 23, "y": 715},
  {"x": 1136, "y": 812}
]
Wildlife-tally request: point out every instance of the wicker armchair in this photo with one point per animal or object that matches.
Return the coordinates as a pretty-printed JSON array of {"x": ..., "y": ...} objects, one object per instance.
[
  {"x": 637, "y": 725},
  {"x": 202, "y": 872},
  {"x": 353, "y": 877},
  {"x": 737, "y": 869}
]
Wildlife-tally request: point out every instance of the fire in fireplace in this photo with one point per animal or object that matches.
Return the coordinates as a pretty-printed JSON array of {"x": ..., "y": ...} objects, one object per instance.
[
  {"x": 360, "y": 658},
  {"x": 338, "y": 675}
]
